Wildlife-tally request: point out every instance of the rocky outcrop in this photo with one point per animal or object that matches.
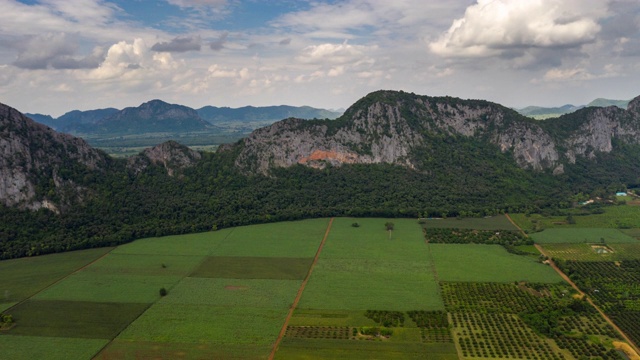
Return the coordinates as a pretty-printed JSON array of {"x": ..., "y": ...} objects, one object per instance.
[
  {"x": 387, "y": 126},
  {"x": 171, "y": 155},
  {"x": 36, "y": 163}
]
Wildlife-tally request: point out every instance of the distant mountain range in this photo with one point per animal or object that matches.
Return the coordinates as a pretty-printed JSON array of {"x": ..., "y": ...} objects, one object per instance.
[
  {"x": 547, "y": 112},
  {"x": 157, "y": 116}
]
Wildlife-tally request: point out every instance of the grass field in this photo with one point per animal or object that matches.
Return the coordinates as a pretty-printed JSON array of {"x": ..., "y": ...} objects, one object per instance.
[
  {"x": 487, "y": 263},
  {"x": 206, "y": 324},
  {"x": 200, "y": 244},
  {"x": 73, "y": 319},
  {"x": 88, "y": 286},
  {"x": 248, "y": 293},
  {"x": 229, "y": 291},
  {"x": 498, "y": 222},
  {"x": 286, "y": 239},
  {"x": 50, "y": 348},
  {"x": 371, "y": 284},
  {"x": 618, "y": 217},
  {"x": 135, "y": 350},
  {"x": 150, "y": 265},
  {"x": 22, "y": 278},
  {"x": 585, "y": 235},
  {"x": 353, "y": 349},
  {"x": 362, "y": 268},
  {"x": 236, "y": 267}
]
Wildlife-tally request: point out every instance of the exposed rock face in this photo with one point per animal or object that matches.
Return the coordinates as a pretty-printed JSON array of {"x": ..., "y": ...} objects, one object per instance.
[
  {"x": 386, "y": 126},
  {"x": 34, "y": 156},
  {"x": 171, "y": 155}
]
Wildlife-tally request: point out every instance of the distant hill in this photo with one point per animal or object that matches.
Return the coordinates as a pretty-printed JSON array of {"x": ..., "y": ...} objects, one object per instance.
[
  {"x": 607, "y": 102},
  {"x": 155, "y": 116},
  {"x": 160, "y": 117},
  {"x": 266, "y": 113},
  {"x": 539, "y": 112}
]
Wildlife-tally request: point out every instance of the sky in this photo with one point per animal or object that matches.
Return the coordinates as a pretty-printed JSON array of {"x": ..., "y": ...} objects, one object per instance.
[{"x": 61, "y": 55}]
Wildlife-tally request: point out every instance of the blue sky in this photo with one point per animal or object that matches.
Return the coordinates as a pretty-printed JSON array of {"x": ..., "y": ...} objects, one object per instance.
[{"x": 59, "y": 55}]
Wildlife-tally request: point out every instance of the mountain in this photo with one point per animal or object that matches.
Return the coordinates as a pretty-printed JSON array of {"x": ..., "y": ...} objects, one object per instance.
[
  {"x": 606, "y": 102},
  {"x": 43, "y": 119},
  {"x": 41, "y": 168},
  {"x": 539, "y": 112},
  {"x": 533, "y": 111},
  {"x": 266, "y": 113},
  {"x": 391, "y": 154},
  {"x": 395, "y": 127},
  {"x": 155, "y": 116}
]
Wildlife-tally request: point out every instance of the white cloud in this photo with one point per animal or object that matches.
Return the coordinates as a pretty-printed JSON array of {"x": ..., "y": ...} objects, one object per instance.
[
  {"x": 198, "y": 3},
  {"x": 490, "y": 27},
  {"x": 333, "y": 53}
]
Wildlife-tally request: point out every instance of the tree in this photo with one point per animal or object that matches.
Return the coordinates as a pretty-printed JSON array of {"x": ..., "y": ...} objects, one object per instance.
[
  {"x": 389, "y": 227},
  {"x": 163, "y": 292}
]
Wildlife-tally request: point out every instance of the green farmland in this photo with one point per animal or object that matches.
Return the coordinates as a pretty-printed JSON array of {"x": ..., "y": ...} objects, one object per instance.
[{"x": 368, "y": 290}]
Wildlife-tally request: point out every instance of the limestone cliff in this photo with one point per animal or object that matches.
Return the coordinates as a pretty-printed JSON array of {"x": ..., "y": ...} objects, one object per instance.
[
  {"x": 171, "y": 155},
  {"x": 388, "y": 126},
  {"x": 38, "y": 166}
]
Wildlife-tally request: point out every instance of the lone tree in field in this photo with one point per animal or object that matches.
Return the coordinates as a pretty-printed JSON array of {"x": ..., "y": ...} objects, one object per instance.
[
  {"x": 163, "y": 292},
  {"x": 389, "y": 227}
]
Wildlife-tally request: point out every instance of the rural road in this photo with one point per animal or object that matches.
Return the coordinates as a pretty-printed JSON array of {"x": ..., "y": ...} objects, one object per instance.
[
  {"x": 566, "y": 278},
  {"x": 299, "y": 295}
]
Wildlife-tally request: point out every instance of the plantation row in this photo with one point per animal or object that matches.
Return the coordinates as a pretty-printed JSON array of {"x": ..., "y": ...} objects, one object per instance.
[
  {"x": 615, "y": 287},
  {"x": 471, "y": 236},
  {"x": 491, "y": 297}
]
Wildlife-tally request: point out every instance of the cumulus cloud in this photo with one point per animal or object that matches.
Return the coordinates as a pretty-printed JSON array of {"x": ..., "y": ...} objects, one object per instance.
[
  {"x": 179, "y": 44},
  {"x": 286, "y": 41},
  {"x": 57, "y": 51},
  {"x": 492, "y": 27},
  {"x": 125, "y": 59},
  {"x": 332, "y": 53}
]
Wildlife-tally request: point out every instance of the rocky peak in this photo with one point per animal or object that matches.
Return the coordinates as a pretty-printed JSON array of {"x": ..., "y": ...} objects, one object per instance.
[
  {"x": 171, "y": 155},
  {"x": 389, "y": 126},
  {"x": 35, "y": 163}
]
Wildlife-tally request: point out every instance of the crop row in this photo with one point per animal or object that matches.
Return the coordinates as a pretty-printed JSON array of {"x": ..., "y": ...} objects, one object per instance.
[
  {"x": 491, "y": 297},
  {"x": 471, "y": 236}
]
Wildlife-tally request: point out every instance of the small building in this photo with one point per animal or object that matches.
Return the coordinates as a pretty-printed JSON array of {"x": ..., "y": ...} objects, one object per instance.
[{"x": 621, "y": 194}]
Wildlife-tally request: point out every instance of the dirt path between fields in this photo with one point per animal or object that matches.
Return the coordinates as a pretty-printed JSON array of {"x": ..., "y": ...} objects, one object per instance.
[
  {"x": 568, "y": 280},
  {"x": 60, "y": 280},
  {"x": 299, "y": 295}
]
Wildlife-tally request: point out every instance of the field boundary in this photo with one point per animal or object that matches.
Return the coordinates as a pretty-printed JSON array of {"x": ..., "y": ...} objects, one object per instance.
[
  {"x": 568, "y": 280},
  {"x": 516, "y": 225},
  {"x": 61, "y": 279},
  {"x": 283, "y": 330}
]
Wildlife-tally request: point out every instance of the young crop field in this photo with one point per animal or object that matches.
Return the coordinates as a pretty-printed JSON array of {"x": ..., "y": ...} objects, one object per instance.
[
  {"x": 286, "y": 239},
  {"x": 89, "y": 286},
  {"x": 22, "y": 278},
  {"x": 50, "y": 348},
  {"x": 73, "y": 319},
  {"x": 377, "y": 290},
  {"x": 487, "y": 263},
  {"x": 253, "y": 267},
  {"x": 294, "y": 348},
  {"x": 594, "y": 252},
  {"x": 498, "y": 222},
  {"x": 582, "y": 235},
  {"x": 145, "y": 265},
  {"x": 200, "y": 244},
  {"x": 616, "y": 217}
]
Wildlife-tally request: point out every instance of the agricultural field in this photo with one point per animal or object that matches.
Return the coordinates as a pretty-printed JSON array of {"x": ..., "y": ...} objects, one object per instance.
[
  {"x": 318, "y": 289},
  {"x": 615, "y": 217},
  {"x": 594, "y": 252},
  {"x": 487, "y": 263},
  {"x": 582, "y": 235},
  {"x": 498, "y": 222}
]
